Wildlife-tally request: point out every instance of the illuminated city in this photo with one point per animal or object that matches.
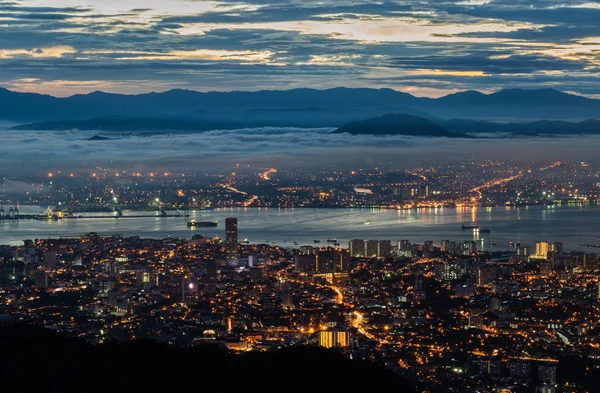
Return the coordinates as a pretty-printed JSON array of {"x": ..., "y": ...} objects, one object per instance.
[{"x": 306, "y": 196}]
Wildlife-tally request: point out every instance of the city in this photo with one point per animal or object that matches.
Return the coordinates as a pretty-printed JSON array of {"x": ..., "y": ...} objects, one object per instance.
[
  {"x": 299, "y": 195},
  {"x": 444, "y": 315},
  {"x": 434, "y": 184}
]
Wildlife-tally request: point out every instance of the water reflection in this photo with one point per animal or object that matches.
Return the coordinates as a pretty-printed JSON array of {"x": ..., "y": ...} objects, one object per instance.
[{"x": 573, "y": 225}]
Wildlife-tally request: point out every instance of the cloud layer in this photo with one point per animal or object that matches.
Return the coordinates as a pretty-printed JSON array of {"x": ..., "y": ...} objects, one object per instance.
[
  {"x": 426, "y": 48},
  {"x": 266, "y": 147}
]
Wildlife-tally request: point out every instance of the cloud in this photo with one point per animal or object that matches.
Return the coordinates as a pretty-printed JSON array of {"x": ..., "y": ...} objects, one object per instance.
[
  {"x": 269, "y": 146},
  {"x": 37, "y": 53},
  {"x": 77, "y": 46}
]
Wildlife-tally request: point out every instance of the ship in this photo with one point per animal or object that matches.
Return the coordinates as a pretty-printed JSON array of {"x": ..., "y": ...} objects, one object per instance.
[
  {"x": 194, "y": 224},
  {"x": 317, "y": 241},
  {"x": 484, "y": 230},
  {"x": 469, "y": 226},
  {"x": 331, "y": 240}
]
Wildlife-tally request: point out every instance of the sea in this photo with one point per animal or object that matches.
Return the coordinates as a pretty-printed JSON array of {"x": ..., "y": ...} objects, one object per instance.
[{"x": 576, "y": 226}]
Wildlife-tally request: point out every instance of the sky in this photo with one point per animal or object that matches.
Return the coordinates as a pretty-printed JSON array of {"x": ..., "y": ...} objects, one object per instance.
[{"x": 427, "y": 48}]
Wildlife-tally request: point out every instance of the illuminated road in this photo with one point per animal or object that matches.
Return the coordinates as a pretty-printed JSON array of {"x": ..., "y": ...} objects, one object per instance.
[
  {"x": 340, "y": 295},
  {"x": 357, "y": 323},
  {"x": 231, "y": 188},
  {"x": 266, "y": 175},
  {"x": 496, "y": 182},
  {"x": 250, "y": 201}
]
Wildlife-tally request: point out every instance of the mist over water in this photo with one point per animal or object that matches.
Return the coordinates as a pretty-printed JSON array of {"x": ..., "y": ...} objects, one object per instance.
[{"x": 29, "y": 152}]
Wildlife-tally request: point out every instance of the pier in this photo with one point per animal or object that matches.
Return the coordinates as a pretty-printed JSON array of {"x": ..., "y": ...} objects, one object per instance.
[{"x": 14, "y": 215}]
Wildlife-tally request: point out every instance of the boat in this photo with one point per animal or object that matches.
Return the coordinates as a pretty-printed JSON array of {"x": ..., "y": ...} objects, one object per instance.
[
  {"x": 484, "y": 230},
  {"x": 317, "y": 241},
  {"x": 336, "y": 244},
  {"x": 245, "y": 241},
  {"x": 493, "y": 244},
  {"x": 367, "y": 222},
  {"x": 469, "y": 226},
  {"x": 331, "y": 240},
  {"x": 194, "y": 224}
]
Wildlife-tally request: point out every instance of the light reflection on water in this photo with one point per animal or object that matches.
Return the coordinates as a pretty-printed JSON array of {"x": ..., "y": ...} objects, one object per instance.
[{"x": 573, "y": 225}]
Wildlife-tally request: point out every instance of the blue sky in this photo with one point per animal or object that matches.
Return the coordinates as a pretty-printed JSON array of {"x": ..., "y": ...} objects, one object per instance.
[{"x": 426, "y": 48}]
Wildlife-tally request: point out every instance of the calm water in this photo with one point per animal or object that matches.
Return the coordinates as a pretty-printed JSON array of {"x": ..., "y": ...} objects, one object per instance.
[{"x": 573, "y": 225}]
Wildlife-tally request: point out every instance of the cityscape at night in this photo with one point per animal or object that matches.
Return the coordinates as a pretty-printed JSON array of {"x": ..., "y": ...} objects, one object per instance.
[{"x": 269, "y": 195}]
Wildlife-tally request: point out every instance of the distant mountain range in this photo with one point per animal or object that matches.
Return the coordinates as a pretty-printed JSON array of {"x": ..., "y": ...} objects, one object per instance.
[
  {"x": 394, "y": 124},
  {"x": 297, "y": 107}
]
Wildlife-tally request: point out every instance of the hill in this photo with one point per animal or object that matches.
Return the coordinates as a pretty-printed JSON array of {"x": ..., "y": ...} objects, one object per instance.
[
  {"x": 545, "y": 127},
  {"x": 44, "y": 361},
  {"x": 398, "y": 124}
]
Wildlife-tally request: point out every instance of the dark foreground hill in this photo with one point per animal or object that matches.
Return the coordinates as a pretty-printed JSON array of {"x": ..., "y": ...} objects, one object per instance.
[{"x": 38, "y": 360}]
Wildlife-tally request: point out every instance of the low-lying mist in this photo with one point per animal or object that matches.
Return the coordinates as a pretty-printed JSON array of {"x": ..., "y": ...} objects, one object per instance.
[{"x": 36, "y": 152}]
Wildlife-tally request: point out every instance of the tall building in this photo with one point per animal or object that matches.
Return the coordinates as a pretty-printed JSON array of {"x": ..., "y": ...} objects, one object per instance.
[
  {"x": 334, "y": 338},
  {"x": 371, "y": 248},
  {"x": 446, "y": 245},
  {"x": 405, "y": 248},
  {"x": 231, "y": 231},
  {"x": 541, "y": 250},
  {"x": 357, "y": 247},
  {"x": 485, "y": 275},
  {"x": 557, "y": 247},
  {"x": 469, "y": 247},
  {"x": 547, "y": 373},
  {"x": 384, "y": 248},
  {"x": 305, "y": 263},
  {"x": 332, "y": 261},
  {"x": 231, "y": 239}
]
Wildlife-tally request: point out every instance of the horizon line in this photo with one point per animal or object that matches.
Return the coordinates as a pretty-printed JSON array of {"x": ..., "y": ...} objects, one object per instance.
[{"x": 483, "y": 92}]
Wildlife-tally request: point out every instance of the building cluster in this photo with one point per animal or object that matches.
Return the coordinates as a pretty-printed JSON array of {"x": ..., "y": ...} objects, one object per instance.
[
  {"x": 445, "y": 315},
  {"x": 468, "y": 183}
]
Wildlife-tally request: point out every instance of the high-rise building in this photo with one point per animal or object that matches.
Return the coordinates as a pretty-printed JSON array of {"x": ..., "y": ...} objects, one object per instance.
[
  {"x": 541, "y": 250},
  {"x": 405, "y": 248},
  {"x": 371, "y": 248},
  {"x": 469, "y": 247},
  {"x": 334, "y": 338},
  {"x": 305, "y": 263},
  {"x": 384, "y": 248},
  {"x": 332, "y": 261},
  {"x": 485, "y": 275},
  {"x": 447, "y": 271},
  {"x": 557, "y": 247},
  {"x": 231, "y": 231},
  {"x": 446, "y": 245},
  {"x": 523, "y": 251},
  {"x": 231, "y": 239},
  {"x": 357, "y": 247},
  {"x": 547, "y": 373}
]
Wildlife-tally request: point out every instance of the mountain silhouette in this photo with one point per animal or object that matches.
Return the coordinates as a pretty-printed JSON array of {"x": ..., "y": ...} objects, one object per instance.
[
  {"x": 398, "y": 124},
  {"x": 334, "y": 105}
]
